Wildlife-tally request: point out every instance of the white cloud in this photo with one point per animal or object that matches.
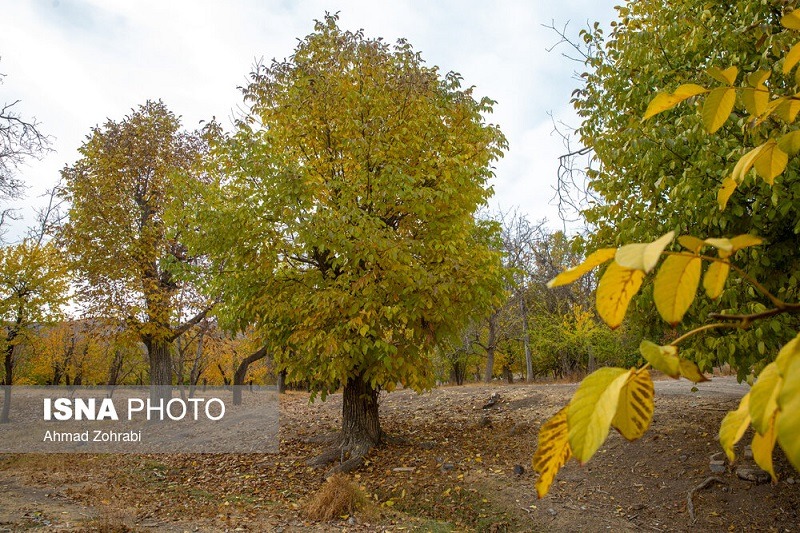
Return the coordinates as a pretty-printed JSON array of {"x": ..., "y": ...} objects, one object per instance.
[{"x": 73, "y": 63}]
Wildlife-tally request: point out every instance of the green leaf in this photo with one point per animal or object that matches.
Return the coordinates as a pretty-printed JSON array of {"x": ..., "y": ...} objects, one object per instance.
[
  {"x": 714, "y": 280},
  {"x": 734, "y": 425},
  {"x": 663, "y": 358},
  {"x": 788, "y": 422},
  {"x": 594, "y": 259},
  {"x": 635, "y": 409},
  {"x": 676, "y": 285},
  {"x": 643, "y": 256},
  {"x": 764, "y": 397},
  {"x": 718, "y": 107},
  {"x": 552, "y": 451},
  {"x": 592, "y": 409},
  {"x": 664, "y": 101},
  {"x": 614, "y": 292}
]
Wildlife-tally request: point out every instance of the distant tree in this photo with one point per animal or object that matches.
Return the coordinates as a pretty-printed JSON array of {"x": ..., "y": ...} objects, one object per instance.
[
  {"x": 127, "y": 252},
  {"x": 345, "y": 218}
]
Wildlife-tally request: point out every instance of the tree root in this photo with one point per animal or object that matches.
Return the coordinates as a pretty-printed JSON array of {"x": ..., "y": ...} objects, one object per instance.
[
  {"x": 349, "y": 456},
  {"x": 704, "y": 484}
]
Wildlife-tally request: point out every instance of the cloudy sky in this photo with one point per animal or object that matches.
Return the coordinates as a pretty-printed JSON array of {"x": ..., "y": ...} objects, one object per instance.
[{"x": 75, "y": 63}]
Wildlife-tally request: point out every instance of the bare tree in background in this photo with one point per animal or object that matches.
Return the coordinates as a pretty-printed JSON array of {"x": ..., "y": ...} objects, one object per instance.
[{"x": 20, "y": 139}]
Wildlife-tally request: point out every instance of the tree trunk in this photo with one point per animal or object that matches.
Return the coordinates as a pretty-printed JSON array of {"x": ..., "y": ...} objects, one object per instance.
[
  {"x": 9, "y": 377},
  {"x": 360, "y": 425},
  {"x": 491, "y": 344},
  {"x": 158, "y": 352},
  {"x": 526, "y": 341},
  {"x": 241, "y": 372},
  {"x": 281, "y": 382}
]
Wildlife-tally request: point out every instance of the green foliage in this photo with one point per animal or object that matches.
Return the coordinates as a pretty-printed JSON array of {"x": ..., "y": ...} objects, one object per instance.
[{"x": 342, "y": 211}]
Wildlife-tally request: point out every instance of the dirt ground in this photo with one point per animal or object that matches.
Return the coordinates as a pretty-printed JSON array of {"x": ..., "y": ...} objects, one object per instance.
[{"x": 455, "y": 471}]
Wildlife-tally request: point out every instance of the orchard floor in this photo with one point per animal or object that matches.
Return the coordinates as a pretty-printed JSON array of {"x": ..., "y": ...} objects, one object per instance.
[{"x": 641, "y": 486}]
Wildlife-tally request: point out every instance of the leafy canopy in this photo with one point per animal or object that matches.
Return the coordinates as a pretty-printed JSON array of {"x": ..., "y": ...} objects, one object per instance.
[{"x": 342, "y": 210}]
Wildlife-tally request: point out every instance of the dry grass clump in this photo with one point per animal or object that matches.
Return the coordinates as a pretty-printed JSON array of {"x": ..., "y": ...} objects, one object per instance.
[{"x": 337, "y": 497}]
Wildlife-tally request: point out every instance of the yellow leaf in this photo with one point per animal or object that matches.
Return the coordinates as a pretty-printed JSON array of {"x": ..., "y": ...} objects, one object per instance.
[
  {"x": 764, "y": 397},
  {"x": 643, "y": 256},
  {"x": 727, "y": 76},
  {"x": 592, "y": 408},
  {"x": 791, "y": 20},
  {"x": 614, "y": 292},
  {"x": 734, "y": 425},
  {"x": 664, "y": 101},
  {"x": 791, "y": 59},
  {"x": 756, "y": 97},
  {"x": 594, "y": 259},
  {"x": 745, "y": 241},
  {"x": 552, "y": 451},
  {"x": 790, "y": 351},
  {"x": 790, "y": 143},
  {"x": 788, "y": 424},
  {"x": 691, "y": 371},
  {"x": 724, "y": 193},
  {"x": 787, "y": 108},
  {"x": 692, "y": 244},
  {"x": 763, "y": 445},
  {"x": 771, "y": 162},
  {"x": 676, "y": 285},
  {"x": 718, "y": 107},
  {"x": 663, "y": 358},
  {"x": 635, "y": 409},
  {"x": 714, "y": 280},
  {"x": 745, "y": 163},
  {"x": 724, "y": 246}
]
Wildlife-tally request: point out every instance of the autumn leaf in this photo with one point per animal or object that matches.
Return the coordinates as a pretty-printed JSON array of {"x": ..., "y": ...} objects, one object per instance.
[
  {"x": 635, "y": 409},
  {"x": 552, "y": 451},
  {"x": 718, "y": 107},
  {"x": 764, "y": 397},
  {"x": 763, "y": 444},
  {"x": 594, "y": 259},
  {"x": 734, "y": 425},
  {"x": 663, "y": 358},
  {"x": 675, "y": 286},
  {"x": 643, "y": 256},
  {"x": 592, "y": 409},
  {"x": 714, "y": 280},
  {"x": 664, "y": 101},
  {"x": 614, "y": 292}
]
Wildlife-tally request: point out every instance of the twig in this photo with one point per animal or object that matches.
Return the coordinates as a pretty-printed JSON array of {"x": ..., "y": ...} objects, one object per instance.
[{"x": 704, "y": 484}]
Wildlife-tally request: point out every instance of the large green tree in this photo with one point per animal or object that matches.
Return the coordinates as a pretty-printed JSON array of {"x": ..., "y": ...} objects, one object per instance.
[
  {"x": 654, "y": 176},
  {"x": 126, "y": 252},
  {"x": 344, "y": 218}
]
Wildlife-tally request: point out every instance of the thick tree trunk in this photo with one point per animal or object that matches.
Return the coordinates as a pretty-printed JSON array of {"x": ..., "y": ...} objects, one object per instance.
[
  {"x": 281, "y": 382},
  {"x": 241, "y": 372},
  {"x": 8, "y": 380},
  {"x": 158, "y": 352},
  {"x": 360, "y": 424}
]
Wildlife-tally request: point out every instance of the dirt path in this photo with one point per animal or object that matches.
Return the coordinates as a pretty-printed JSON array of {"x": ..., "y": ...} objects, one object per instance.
[{"x": 455, "y": 472}]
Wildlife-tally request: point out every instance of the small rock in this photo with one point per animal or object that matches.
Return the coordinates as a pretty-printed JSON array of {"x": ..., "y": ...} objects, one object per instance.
[
  {"x": 552, "y": 511},
  {"x": 519, "y": 470},
  {"x": 492, "y": 401},
  {"x": 755, "y": 475},
  {"x": 748, "y": 452},
  {"x": 351, "y": 520},
  {"x": 448, "y": 467},
  {"x": 403, "y": 469},
  {"x": 717, "y": 467},
  {"x": 790, "y": 480},
  {"x": 683, "y": 457}
]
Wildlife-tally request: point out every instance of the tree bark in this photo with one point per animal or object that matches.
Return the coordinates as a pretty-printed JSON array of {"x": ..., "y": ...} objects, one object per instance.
[
  {"x": 9, "y": 369},
  {"x": 158, "y": 351},
  {"x": 360, "y": 424},
  {"x": 281, "y": 382},
  {"x": 491, "y": 345},
  {"x": 241, "y": 372}
]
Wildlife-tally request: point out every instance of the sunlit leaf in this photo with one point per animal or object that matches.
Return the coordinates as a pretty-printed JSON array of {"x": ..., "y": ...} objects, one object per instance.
[
  {"x": 789, "y": 352},
  {"x": 552, "y": 451},
  {"x": 594, "y": 259},
  {"x": 764, "y": 397},
  {"x": 714, "y": 280},
  {"x": 724, "y": 246},
  {"x": 635, "y": 409},
  {"x": 788, "y": 423},
  {"x": 725, "y": 191},
  {"x": 663, "y": 358},
  {"x": 676, "y": 285},
  {"x": 734, "y": 425},
  {"x": 614, "y": 292},
  {"x": 664, "y": 101},
  {"x": 693, "y": 244},
  {"x": 643, "y": 256},
  {"x": 745, "y": 163},
  {"x": 592, "y": 409},
  {"x": 771, "y": 161},
  {"x": 727, "y": 76},
  {"x": 790, "y": 143},
  {"x": 763, "y": 444},
  {"x": 791, "y": 59},
  {"x": 745, "y": 241},
  {"x": 756, "y": 97},
  {"x": 791, "y": 20},
  {"x": 718, "y": 107}
]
